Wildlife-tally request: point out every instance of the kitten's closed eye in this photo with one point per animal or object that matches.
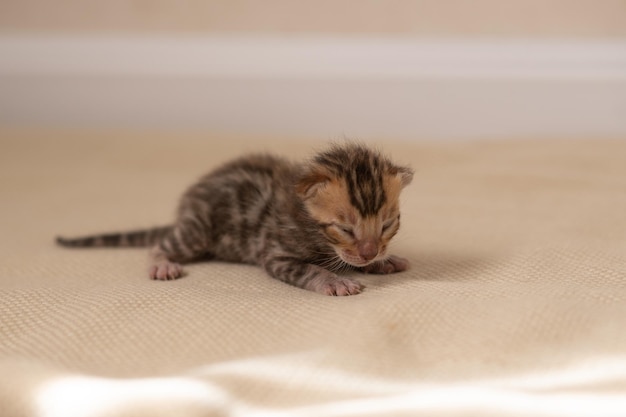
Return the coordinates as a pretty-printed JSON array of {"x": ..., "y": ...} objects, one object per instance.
[
  {"x": 345, "y": 229},
  {"x": 349, "y": 231},
  {"x": 387, "y": 225}
]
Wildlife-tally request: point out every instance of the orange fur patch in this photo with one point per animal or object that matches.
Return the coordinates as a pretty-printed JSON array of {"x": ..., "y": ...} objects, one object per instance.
[{"x": 329, "y": 202}]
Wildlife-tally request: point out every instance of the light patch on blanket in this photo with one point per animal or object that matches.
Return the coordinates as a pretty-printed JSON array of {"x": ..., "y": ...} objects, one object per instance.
[
  {"x": 550, "y": 394},
  {"x": 82, "y": 396},
  {"x": 310, "y": 370}
]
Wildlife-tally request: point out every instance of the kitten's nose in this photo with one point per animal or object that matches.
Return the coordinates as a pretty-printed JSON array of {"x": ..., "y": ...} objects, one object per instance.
[{"x": 368, "y": 250}]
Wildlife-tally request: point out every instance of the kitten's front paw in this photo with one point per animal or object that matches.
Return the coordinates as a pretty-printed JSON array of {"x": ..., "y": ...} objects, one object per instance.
[
  {"x": 166, "y": 270},
  {"x": 387, "y": 266},
  {"x": 341, "y": 286},
  {"x": 334, "y": 285}
]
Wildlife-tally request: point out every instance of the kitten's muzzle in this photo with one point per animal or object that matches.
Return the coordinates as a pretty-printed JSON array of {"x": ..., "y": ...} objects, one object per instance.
[{"x": 368, "y": 249}]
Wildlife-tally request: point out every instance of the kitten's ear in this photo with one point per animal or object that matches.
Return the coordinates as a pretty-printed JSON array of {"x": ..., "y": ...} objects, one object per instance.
[
  {"x": 308, "y": 185},
  {"x": 404, "y": 174}
]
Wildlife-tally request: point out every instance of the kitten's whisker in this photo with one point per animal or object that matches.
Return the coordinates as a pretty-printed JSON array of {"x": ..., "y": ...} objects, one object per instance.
[
  {"x": 331, "y": 263},
  {"x": 334, "y": 263}
]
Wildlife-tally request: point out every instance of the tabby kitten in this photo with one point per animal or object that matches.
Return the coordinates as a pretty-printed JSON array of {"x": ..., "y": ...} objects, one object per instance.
[{"x": 303, "y": 223}]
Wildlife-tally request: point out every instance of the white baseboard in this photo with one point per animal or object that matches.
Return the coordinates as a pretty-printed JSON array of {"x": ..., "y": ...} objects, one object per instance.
[{"x": 391, "y": 87}]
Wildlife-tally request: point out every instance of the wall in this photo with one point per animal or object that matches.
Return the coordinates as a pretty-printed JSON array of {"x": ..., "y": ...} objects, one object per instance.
[
  {"x": 536, "y": 18},
  {"x": 405, "y": 69}
]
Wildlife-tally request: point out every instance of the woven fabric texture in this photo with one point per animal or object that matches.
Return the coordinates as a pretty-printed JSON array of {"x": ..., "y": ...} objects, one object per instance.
[{"x": 515, "y": 302}]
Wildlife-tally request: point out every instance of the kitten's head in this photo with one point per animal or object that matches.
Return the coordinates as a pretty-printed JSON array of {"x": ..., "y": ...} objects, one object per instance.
[{"x": 352, "y": 192}]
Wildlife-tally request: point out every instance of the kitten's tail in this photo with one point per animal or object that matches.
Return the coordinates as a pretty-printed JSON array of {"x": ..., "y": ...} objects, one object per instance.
[{"x": 137, "y": 238}]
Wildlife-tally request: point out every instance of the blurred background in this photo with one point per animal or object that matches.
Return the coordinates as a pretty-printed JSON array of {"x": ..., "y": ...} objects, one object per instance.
[{"x": 413, "y": 70}]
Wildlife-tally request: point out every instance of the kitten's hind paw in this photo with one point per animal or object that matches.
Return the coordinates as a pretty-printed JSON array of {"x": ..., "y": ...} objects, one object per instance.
[
  {"x": 387, "y": 266},
  {"x": 165, "y": 271}
]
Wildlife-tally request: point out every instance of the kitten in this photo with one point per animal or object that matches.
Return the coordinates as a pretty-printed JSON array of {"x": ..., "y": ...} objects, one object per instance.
[{"x": 302, "y": 224}]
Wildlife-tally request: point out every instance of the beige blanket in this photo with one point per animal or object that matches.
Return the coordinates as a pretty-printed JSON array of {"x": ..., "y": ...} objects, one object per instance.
[{"x": 515, "y": 303}]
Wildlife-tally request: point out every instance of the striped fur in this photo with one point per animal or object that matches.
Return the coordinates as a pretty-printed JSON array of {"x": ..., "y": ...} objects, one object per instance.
[
  {"x": 137, "y": 238},
  {"x": 304, "y": 224}
]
